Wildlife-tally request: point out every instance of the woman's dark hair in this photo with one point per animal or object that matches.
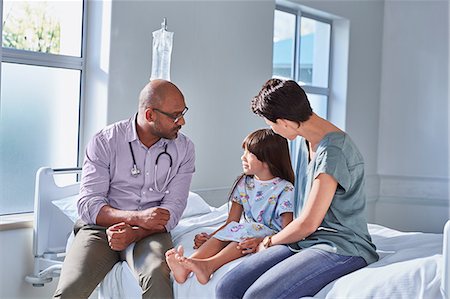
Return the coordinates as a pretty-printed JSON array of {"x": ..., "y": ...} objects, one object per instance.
[
  {"x": 272, "y": 149},
  {"x": 282, "y": 99}
]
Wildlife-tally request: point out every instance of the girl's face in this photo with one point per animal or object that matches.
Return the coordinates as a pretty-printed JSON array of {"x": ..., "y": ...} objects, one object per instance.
[{"x": 251, "y": 165}]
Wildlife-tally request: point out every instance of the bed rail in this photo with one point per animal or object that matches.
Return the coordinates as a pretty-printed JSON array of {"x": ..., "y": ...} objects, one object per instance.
[
  {"x": 49, "y": 240},
  {"x": 445, "y": 283}
]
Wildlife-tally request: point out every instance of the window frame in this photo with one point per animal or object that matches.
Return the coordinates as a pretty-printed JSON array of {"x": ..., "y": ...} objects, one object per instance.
[
  {"x": 59, "y": 61},
  {"x": 295, "y": 73}
]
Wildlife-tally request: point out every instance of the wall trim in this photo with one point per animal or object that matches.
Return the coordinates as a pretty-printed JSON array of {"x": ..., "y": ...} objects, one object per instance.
[
  {"x": 414, "y": 201},
  {"x": 420, "y": 189},
  {"x": 16, "y": 221},
  {"x": 372, "y": 187}
]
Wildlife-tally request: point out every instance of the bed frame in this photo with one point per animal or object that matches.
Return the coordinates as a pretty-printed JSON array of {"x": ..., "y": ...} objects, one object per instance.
[
  {"x": 445, "y": 282},
  {"x": 49, "y": 240},
  {"x": 51, "y": 227}
]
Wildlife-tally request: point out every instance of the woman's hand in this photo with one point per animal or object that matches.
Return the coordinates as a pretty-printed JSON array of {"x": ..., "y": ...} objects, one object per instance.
[
  {"x": 261, "y": 247},
  {"x": 200, "y": 239},
  {"x": 249, "y": 245}
]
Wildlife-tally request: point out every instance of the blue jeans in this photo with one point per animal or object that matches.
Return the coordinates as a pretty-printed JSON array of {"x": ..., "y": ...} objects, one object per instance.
[{"x": 277, "y": 272}]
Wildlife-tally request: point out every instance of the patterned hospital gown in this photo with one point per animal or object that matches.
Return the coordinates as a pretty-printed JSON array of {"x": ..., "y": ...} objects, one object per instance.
[{"x": 263, "y": 203}]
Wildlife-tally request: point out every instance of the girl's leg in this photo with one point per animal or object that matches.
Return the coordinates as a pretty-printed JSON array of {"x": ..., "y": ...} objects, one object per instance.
[
  {"x": 203, "y": 268},
  {"x": 239, "y": 279},
  {"x": 209, "y": 248},
  {"x": 180, "y": 272},
  {"x": 303, "y": 274}
]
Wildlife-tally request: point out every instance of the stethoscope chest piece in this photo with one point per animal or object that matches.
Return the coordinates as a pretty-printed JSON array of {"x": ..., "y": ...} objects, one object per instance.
[{"x": 135, "y": 171}]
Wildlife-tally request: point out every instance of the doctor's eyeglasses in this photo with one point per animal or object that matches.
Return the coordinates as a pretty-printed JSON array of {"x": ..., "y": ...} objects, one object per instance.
[{"x": 175, "y": 118}]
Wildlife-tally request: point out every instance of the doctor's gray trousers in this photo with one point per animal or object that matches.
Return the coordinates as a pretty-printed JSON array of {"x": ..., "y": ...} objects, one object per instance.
[{"x": 90, "y": 258}]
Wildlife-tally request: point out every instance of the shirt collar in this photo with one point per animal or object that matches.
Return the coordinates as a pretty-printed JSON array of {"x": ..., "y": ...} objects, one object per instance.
[
  {"x": 132, "y": 133},
  {"x": 131, "y": 129}
]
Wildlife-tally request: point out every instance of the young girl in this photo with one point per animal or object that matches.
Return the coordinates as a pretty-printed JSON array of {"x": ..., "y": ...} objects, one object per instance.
[{"x": 263, "y": 194}]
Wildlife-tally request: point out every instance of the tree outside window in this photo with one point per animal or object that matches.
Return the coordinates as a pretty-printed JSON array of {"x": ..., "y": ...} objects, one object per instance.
[{"x": 31, "y": 26}]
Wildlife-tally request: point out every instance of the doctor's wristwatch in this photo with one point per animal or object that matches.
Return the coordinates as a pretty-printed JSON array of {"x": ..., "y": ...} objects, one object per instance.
[{"x": 267, "y": 241}]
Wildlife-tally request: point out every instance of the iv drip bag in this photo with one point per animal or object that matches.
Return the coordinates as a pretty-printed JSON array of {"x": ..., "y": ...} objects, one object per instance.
[{"x": 162, "y": 51}]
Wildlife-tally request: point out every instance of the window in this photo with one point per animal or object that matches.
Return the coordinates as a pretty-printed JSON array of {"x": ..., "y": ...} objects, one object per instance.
[
  {"x": 301, "y": 52},
  {"x": 40, "y": 94}
]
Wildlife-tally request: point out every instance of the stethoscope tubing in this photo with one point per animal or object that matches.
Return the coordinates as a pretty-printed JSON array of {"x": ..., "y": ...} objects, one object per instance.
[{"x": 135, "y": 171}]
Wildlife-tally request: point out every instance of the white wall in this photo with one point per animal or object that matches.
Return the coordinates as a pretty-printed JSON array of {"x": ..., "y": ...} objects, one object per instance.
[
  {"x": 413, "y": 106},
  {"x": 356, "y": 77},
  {"x": 16, "y": 261},
  {"x": 222, "y": 54},
  {"x": 413, "y": 137},
  {"x": 364, "y": 69}
]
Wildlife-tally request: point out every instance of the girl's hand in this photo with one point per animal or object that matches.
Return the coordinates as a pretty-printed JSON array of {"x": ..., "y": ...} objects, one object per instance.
[
  {"x": 200, "y": 239},
  {"x": 249, "y": 245}
]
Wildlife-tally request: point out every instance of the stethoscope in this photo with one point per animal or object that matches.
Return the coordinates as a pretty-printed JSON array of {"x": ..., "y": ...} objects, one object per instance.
[{"x": 135, "y": 171}]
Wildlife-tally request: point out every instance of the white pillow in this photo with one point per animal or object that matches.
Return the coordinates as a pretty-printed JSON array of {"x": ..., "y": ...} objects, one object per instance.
[
  {"x": 68, "y": 205},
  {"x": 196, "y": 205}
]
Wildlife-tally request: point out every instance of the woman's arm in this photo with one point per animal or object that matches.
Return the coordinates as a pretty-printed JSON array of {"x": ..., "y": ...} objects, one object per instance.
[{"x": 322, "y": 193}]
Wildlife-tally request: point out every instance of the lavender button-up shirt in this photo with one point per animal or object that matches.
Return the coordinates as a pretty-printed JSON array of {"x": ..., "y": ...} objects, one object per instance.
[{"x": 107, "y": 180}]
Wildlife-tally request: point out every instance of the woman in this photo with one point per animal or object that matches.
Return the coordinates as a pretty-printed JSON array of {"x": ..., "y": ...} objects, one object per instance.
[{"x": 328, "y": 237}]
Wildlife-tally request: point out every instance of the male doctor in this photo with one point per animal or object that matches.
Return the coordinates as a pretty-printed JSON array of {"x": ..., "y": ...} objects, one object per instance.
[{"x": 134, "y": 186}]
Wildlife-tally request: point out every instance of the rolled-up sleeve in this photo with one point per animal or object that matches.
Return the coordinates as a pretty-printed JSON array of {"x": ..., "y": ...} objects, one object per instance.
[
  {"x": 94, "y": 179},
  {"x": 175, "y": 201}
]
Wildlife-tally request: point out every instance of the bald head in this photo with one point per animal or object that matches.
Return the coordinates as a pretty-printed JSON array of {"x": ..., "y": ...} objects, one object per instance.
[{"x": 156, "y": 92}]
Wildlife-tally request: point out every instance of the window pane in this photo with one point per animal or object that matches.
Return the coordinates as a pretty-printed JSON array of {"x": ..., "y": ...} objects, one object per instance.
[
  {"x": 43, "y": 26},
  {"x": 319, "y": 104},
  {"x": 314, "y": 52},
  {"x": 38, "y": 127},
  {"x": 283, "y": 44}
]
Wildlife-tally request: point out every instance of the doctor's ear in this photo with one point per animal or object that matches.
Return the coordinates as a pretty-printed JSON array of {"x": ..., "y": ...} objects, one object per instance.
[{"x": 149, "y": 114}]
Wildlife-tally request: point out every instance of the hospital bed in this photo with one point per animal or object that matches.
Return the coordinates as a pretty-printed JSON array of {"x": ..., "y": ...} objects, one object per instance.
[{"x": 411, "y": 265}]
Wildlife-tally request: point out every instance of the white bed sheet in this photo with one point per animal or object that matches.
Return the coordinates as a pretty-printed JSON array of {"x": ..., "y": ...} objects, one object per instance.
[{"x": 410, "y": 264}]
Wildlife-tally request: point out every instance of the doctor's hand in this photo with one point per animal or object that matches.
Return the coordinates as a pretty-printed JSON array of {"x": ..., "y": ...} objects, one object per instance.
[
  {"x": 121, "y": 235},
  {"x": 200, "y": 239},
  {"x": 153, "y": 219}
]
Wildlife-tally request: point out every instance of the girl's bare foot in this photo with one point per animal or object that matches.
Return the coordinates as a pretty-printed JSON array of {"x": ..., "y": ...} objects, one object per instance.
[
  {"x": 180, "y": 273},
  {"x": 199, "y": 267}
]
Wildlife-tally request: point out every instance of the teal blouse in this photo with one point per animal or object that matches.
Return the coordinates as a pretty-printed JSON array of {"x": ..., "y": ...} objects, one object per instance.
[{"x": 344, "y": 228}]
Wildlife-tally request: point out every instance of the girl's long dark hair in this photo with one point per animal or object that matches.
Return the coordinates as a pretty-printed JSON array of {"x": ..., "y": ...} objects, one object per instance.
[{"x": 272, "y": 149}]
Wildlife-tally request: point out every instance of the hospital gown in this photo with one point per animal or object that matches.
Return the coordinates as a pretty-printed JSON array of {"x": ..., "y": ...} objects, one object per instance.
[{"x": 263, "y": 203}]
